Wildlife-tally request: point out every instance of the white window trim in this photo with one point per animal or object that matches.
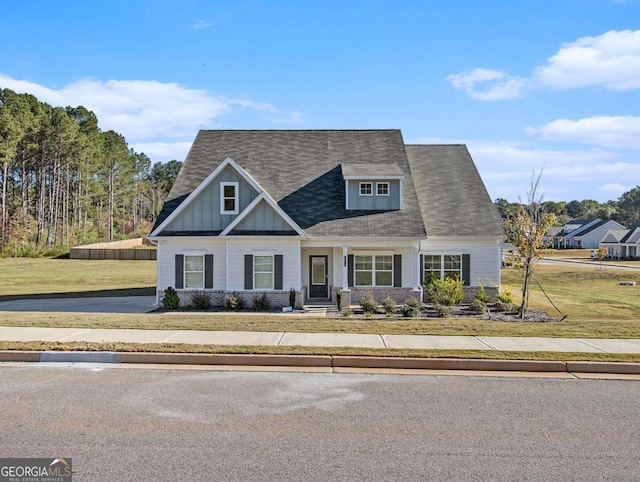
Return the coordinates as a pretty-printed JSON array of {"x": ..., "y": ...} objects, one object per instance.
[
  {"x": 373, "y": 271},
  {"x": 378, "y": 184},
  {"x": 184, "y": 271},
  {"x": 236, "y": 197},
  {"x": 442, "y": 268},
  {"x": 273, "y": 271},
  {"x": 360, "y": 188}
]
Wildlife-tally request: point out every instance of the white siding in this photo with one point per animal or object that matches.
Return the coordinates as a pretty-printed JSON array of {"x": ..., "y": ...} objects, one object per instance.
[
  {"x": 289, "y": 249},
  {"x": 484, "y": 255},
  {"x": 168, "y": 248}
]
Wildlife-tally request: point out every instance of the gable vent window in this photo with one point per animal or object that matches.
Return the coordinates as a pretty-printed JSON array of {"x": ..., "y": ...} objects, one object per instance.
[
  {"x": 366, "y": 189},
  {"x": 229, "y": 198}
]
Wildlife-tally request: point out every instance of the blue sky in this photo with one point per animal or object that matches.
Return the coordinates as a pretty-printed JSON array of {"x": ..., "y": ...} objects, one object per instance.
[{"x": 527, "y": 85}]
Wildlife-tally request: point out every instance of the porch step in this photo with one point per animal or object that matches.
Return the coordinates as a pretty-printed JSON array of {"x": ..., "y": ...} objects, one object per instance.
[{"x": 320, "y": 308}]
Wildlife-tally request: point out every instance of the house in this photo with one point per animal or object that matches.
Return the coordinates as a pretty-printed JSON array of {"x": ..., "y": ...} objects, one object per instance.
[
  {"x": 584, "y": 233},
  {"x": 623, "y": 243},
  {"x": 322, "y": 211}
]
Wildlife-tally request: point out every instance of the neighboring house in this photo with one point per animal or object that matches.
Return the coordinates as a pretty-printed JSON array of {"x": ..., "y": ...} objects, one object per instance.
[
  {"x": 623, "y": 243},
  {"x": 584, "y": 233},
  {"x": 324, "y": 211}
]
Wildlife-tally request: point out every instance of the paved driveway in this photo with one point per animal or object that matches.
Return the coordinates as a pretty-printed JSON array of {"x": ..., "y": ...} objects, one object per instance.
[{"x": 105, "y": 304}]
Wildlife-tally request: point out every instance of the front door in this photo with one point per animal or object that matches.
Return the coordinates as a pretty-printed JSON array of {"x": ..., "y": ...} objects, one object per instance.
[{"x": 318, "y": 279}]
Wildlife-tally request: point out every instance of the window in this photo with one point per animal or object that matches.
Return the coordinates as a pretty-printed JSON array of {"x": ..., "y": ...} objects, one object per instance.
[
  {"x": 366, "y": 189},
  {"x": 382, "y": 188},
  {"x": 228, "y": 198},
  {"x": 194, "y": 272},
  {"x": 440, "y": 266},
  {"x": 263, "y": 272},
  {"x": 373, "y": 270}
]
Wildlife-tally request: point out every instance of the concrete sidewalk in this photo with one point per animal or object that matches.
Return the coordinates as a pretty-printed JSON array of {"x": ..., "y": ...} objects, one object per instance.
[{"x": 586, "y": 345}]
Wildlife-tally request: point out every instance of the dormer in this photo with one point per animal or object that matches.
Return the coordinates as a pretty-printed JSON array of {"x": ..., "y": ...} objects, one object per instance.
[{"x": 373, "y": 186}]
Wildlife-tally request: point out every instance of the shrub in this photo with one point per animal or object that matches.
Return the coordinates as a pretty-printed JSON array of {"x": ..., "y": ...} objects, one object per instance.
[
  {"x": 447, "y": 292},
  {"x": 505, "y": 295},
  {"x": 347, "y": 313},
  {"x": 413, "y": 303},
  {"x": 442, "y": 311},
  {"x": 234, "y": 302},
  {"x": 389, "y": 305},
  {"x": 478, "y": 306},
  {"x": 292, "y": 297},
  {"x": 502, "y": 306},
  {"x": 339, "y": 299},
  {"x": 368, "y": 303},
  {"x": 260, "y": 302},
  {"x": 170, "y": 300},
  {"x": 481, "y": 294},
  {"x": 410, "y": 311},
  {"x": 200, "y": 300}
]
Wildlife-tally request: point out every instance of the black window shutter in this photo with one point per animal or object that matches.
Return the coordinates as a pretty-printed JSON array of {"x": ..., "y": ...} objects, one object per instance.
[
  {"x": 248, "y": 271},
  {"x": 208, "y": 271},
  {"x": 179, "y": 271},
  {"x": 466, "y": 269},
  {"x": 350, "y": 268},
  {"x": 397, "y": 270},
  {"x": 421, "y": 269},
  {"x": 277, "y": 272}
]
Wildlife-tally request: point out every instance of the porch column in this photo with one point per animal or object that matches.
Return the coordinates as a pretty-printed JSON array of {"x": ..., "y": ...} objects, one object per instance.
[
  {"x": 416, "y": 268},
  {"x": 345, "y": 269}
]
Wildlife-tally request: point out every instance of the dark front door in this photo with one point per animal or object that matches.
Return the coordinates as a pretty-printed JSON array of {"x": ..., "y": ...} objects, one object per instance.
[{"x": 318, "y": 279}]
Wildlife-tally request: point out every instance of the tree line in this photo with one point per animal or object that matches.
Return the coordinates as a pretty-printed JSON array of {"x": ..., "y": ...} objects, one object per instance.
[
  {"x": 625, "y": 210},
  {"x": 65, "y": 182}
]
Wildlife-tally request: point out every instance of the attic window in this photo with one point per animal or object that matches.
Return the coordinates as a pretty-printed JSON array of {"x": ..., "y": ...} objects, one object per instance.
[
  {"x": 228, "y": 198},
  {"x": 366, "y": 189}
]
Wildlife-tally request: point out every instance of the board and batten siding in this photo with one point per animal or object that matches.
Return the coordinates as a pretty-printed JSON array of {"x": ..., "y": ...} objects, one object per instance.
[
  {"x": 168, "y": 249},
  {"x": 289, "y": 249},
  {"x": 203, "y": 213},
  {"x": 263, "y": 218},
  {"x": 485, "y": 256},
  {"x": 374, "y": 201}
]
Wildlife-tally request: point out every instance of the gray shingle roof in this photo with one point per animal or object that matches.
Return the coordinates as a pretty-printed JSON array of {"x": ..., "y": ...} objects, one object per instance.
[
  {"x": 303, "y": 171},
  {"x": 453, "y": 198}
]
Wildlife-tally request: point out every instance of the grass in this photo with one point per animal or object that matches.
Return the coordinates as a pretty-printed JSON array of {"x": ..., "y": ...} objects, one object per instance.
[
  {"x": 584, "y": 294},
  {"x": 335, "y": 351},
  {"x": 22, "y": 276}
]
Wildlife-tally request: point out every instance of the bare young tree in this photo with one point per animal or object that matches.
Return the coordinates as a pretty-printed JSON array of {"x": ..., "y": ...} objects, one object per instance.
[{"x": 526, "y": 229}]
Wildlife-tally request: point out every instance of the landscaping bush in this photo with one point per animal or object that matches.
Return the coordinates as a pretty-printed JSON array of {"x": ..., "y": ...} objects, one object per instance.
[
  {"x": 442, "y": 311},
  {"x": 170, "y": 300},
  {"x": 260, "y": 302},
  {"x": 504, "y": 307},
  {"x": 347, "y": 313},
  {"x": 368, "y": 304},
  {"x": 339, "y": 300},
  {"x": 233, "y": 302},
  {"x": 478, "y": 306},
  {"x": 505, "y": 295},
  {"x": 481, "y": 295},
  {"x": 413, "y": 303},
  {"x": 389, "y": 305},
  {"x": 409, "y": 311},
  {"x": 292, "y": 297},
  {"x": 446, "y": 292},
  {"x": 200, "y": 300}
]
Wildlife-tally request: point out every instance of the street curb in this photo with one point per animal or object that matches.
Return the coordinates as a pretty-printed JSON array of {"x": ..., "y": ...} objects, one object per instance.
[{"x": 324, "y": 361}]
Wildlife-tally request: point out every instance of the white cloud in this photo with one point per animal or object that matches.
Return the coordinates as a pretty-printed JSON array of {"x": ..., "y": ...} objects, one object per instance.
[
  {"x": 611, "y": 60},
  {"x": 163, "y": 151},
  {"x": 144, "y": 109},
  {"x": 488, "y": 84},
  {"x": 614, "y": 189},
  {"x": 200, "y": 24},
  {"x": 612, "y": 131},
  {"x": 294, "y": 117}
]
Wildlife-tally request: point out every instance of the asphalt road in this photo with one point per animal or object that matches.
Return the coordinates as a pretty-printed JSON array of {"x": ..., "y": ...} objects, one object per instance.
[{"x": 167, "y": 425}]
